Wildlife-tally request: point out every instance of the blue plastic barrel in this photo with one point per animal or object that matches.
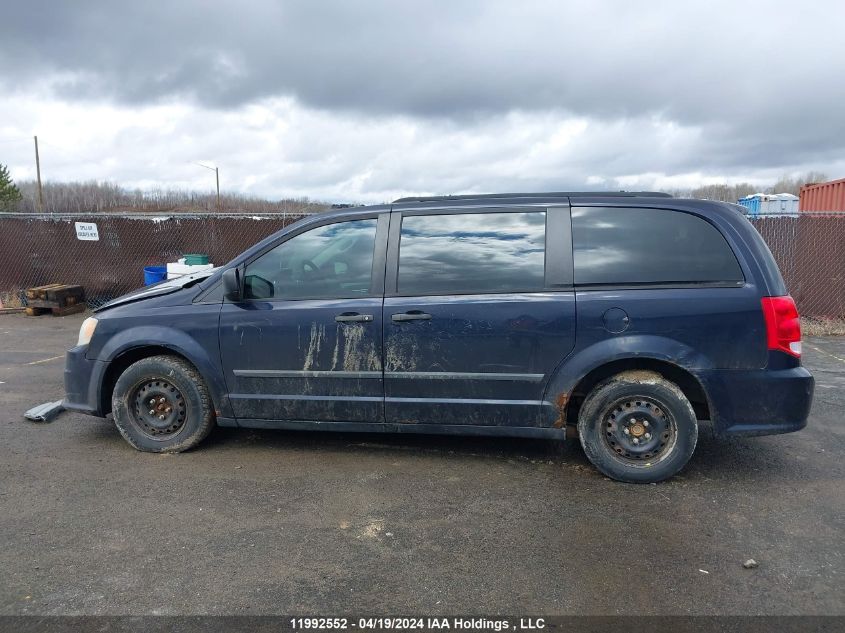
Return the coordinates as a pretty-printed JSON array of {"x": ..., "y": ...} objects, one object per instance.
[{"x": 154, "y": 274}]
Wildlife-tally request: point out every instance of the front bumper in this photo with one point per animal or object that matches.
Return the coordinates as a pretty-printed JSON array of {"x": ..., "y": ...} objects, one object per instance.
[
  {"x": 82, "y": 382},
  {"x": 759, "y": 402}
]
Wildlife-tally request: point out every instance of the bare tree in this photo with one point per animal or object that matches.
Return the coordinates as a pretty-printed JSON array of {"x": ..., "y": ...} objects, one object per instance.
[
  {"x": 721, "y": 192},
  {"x": 793, "y": 184},
  {"x": 732, "y": 193},
  {"x": 83, "y": 197}
]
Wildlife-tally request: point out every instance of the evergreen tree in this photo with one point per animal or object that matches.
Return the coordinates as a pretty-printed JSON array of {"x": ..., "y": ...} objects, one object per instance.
[{"x": 9, "y": 193}]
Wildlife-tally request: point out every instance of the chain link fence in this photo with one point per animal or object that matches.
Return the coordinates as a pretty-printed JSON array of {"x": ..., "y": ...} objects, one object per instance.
[
  {"x": 810, "y": 251},
  {"x": 39, "y": 249},
  {"x": 42, "y": 249}
]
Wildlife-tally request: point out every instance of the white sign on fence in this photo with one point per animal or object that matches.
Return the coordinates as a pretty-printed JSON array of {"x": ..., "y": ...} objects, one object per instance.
[{"x": 87, "y": 231}]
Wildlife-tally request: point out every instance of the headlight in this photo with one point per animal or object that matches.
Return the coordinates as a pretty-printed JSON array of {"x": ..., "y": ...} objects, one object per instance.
[{"x": 87, "y": 331}]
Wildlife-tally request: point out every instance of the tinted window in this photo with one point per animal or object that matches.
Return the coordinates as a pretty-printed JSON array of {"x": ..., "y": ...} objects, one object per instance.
[
  {"x": 330, "y": 262},
  {"x": 471, "y": 252},
  {"x": 617, "y": 246}
]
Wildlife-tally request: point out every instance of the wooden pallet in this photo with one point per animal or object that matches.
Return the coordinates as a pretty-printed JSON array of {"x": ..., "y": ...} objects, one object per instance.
[
  {"x": 40, "y": 292},
  {"x": 58, "y": 299},
  {"x": 79, "y": 307}
]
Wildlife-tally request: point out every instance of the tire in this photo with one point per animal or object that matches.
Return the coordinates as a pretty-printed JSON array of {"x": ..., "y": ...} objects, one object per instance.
[
  {"x": 168, "y": 386},
  {"x": 662, "y": 430}
]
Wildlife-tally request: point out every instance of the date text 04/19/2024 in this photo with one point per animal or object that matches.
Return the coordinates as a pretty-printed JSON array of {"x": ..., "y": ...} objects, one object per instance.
[{"x": 416, "y": 624}]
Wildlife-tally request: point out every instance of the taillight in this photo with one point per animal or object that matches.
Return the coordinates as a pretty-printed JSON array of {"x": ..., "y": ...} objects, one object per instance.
[{"x": 783, "y": 329}]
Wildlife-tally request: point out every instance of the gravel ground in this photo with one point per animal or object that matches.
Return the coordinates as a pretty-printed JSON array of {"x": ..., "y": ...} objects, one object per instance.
[{"x": 281, "y": 522}]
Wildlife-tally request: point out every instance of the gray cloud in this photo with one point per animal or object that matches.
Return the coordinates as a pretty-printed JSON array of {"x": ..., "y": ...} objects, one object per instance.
[
  {"x": 694, "y": 62},
  {"x": 674, "y": 87}
]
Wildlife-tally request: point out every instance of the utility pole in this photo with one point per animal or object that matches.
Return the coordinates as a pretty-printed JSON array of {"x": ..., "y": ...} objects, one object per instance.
[
  {"x": 38, "y": 172},
  {"x": 217, "y": 177}
]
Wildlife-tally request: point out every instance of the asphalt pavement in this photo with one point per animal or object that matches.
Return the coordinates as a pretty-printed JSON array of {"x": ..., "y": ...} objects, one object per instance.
[{"x": 275, "y": 522}]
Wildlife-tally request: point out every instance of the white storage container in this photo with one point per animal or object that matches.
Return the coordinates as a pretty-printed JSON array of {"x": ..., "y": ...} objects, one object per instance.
[{"x": 179, "y": 268}]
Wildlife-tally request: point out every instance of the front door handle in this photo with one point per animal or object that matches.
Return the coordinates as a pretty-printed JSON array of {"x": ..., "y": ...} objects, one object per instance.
[
  {"x": 353, "y": 317},
  {"x": 411, "y": 315}
]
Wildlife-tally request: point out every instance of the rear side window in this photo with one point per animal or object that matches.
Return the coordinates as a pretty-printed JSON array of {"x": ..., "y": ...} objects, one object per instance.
[
  {"x": 645, "y": 246},
  {"x": 472, "y": 253}
]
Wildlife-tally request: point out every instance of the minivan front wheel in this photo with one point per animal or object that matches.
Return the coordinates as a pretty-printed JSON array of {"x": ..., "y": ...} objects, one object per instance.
[
  {"x": 161, "y": 405},
  {"x": 638, "y": 427}
]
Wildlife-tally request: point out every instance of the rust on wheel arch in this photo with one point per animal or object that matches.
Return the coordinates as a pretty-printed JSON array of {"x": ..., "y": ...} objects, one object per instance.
[{"x": 561, "y": 401}]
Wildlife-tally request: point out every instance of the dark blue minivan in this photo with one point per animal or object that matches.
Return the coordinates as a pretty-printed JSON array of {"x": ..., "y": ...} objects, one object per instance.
[{"x": 622, "y": 318}]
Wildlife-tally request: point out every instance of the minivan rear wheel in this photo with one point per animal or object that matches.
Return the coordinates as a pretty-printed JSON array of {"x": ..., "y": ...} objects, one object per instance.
[
  {"x": 638, "y": 427},
  {"x": 161, "y": 405}
]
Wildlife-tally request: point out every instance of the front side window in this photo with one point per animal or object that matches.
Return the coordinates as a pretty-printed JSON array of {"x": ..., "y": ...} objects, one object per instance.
[
  {"x": 649, "y": 246},
  {"x": 330, "y": 262},
  {"x": 472, "y": 253}
]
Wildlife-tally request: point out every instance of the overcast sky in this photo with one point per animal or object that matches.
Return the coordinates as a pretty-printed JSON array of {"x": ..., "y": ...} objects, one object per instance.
[{"x": 366, "y": 101}]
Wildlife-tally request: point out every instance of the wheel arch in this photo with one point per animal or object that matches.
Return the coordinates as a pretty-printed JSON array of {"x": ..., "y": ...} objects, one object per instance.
[
  {"x": 687, "y": 382},
  {"x": 588, "y": 366},
  {"x": 130, "y": 355}
]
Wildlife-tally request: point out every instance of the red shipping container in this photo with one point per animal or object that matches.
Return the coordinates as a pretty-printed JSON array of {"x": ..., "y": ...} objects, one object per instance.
[{"x": 823, "y": 196}]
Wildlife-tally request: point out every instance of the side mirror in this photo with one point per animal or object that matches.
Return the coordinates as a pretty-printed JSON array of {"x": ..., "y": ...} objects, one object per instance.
[{"x": 232, "y": 290}]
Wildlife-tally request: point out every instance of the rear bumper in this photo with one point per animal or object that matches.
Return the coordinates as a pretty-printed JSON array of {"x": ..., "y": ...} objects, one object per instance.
[
  {"x": 760, "y": 402},
  {"x": 82, "y": 382}
]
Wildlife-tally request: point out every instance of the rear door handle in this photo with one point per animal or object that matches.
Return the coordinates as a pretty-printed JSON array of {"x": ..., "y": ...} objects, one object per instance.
[
  {"x": 411, "y": 315},
  {"x": 353, "y": 317}
]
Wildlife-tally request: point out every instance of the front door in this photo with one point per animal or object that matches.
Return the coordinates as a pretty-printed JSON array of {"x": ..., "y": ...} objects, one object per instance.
[
  {"x": 305, "y": 343},
  {"x": 477, "y": 316}
]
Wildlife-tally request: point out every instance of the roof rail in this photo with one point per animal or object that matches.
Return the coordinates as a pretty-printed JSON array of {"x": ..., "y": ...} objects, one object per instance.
[{"x": 551, "y": 194}]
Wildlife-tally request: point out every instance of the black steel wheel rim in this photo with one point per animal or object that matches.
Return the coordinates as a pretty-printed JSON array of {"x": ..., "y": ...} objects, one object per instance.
[
  {"x": 158, "y": 408},
  {"x": 639, "y": 430}
]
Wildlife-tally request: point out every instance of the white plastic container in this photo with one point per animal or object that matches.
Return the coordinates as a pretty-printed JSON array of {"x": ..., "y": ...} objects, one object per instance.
[{"x": 178, "y": 269}]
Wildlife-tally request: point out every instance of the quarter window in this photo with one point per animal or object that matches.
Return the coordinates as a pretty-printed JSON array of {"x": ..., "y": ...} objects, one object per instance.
[
  {"x": 646, "y": 246},
  {"x": 329, "y": 262},
  {"x": 472, "y": 253}
]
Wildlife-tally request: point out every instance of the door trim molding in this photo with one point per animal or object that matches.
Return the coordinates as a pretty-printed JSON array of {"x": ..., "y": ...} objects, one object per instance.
[
  {"x": 301, "y": 373},
  {"x": 424, "y": 375},
  {"x": 465, "y": 375},
  {"x": 473, "y": 401},
  {"x": 296, "y": 396}
]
